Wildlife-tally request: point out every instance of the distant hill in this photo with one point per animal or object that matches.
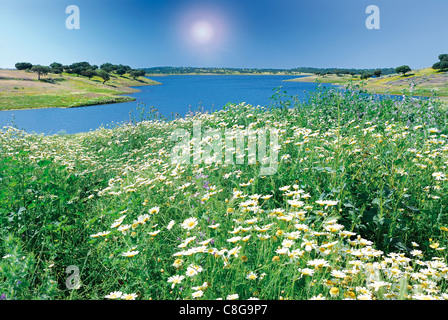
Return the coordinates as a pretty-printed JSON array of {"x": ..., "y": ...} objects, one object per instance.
[
  {"x": 224, "y": 71},
  {"x": 384, "y": 71}
]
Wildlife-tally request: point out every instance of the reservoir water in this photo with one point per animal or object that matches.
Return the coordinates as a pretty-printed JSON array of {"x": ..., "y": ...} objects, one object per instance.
[{"x": 177, "y": 94}]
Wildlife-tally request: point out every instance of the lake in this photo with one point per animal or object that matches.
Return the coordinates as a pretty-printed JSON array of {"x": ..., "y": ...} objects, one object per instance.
[{"x": 177, "y": 94}]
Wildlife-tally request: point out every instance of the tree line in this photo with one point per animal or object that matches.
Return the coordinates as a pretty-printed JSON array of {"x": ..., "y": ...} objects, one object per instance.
[
  {"x": 103, "y": 71},
  {"x": 212, "y": 70},
  {"x": 441, "y": 65},
  {"x": 222, "y": 70},
  {"x": 82, "y": 69},
  {"x": 345, "y": 71}
]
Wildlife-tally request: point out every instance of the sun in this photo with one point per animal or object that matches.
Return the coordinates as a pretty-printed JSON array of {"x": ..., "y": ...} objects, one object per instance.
[{"x": 202, "y": 32}]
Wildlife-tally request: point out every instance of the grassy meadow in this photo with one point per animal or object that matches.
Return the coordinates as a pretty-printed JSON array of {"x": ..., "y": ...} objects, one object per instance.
[
  {"x": 426, "y": 82},
  {"x": 22, "y": 90},
  {"x": 357, "y": 208}
]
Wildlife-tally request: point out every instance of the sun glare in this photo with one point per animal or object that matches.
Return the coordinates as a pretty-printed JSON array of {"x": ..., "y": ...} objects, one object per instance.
[{"x": 202, "y": 32}]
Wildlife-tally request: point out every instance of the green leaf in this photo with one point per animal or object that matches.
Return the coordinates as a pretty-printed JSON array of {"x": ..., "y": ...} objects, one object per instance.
[{"x": 44, "y": 163}]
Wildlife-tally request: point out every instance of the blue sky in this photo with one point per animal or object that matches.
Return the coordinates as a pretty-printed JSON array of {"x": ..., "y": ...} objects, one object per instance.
[{"x": 237, "y": 33}]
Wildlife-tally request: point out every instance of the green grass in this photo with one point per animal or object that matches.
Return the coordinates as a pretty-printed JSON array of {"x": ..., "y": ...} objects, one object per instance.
[
  {"x": 334, "y": 79},
  {"x": 64, "y": 91},
  {"x": 427, "y": 83},
  {"x": 58, "y": 101},
  {"x": 355, "y": 208}
]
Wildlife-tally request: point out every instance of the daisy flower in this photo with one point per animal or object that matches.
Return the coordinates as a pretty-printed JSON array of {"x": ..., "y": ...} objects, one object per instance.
[
  {"x": 96, "y": 235},
  {"x": 251, "y": 276},
  {"x": 233, "y": 296},
  {"x": 189, "y": 223},
  {"x": 201, "y": 287},
  {"x": 124, "y": 228},
  {"x": 214, "y": 226},
  {"x": 154, "y": 233},
  {"x": 318, "y": 263},
  {"x": 438, "y": 175},
  {"x": 307, "y": 271},
  {"x": 205, "y": 242},
  {"x": 327, "y": 202},
  {"x": 334, "y": 291},
  {"x": 234, "y": 251},
  {"x": 287, "y": 243},
  {"x": 130, "y": 253},
  {"x": 191, "y": 272},
  {"x": 234, "y": 239},
  {"x": 154, "y": 210},
  {"x": 114, "y": 295},
  {"x": 129, "y": 296},
  {"x": 197, "y": 294},
  {"x": 338, "y": 274},
  {"x": 296, "y": 203},
  {"x": 178, "y": 263},
  {"x": 175, "y": 280},
  {"x": 170, "y": 225},
  {"x": 116, "y": 224}
]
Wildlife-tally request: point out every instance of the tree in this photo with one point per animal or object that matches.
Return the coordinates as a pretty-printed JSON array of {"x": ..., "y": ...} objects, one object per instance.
[
  {"x": 126, "y": 68},
  {"x": 443, "y": 57},
  {"x": 121, "y": 71},
  {"x": 56, "y": 67},
  {"x": 403, "y": 69},
  {"x": 103, "y": 75},
  {"x": 40, "y": 70},
  {"x": 137, "y": 73},
  {"x": 366, "y": 76},
  {"x": 108, "y": 67},
  {"x": 23, "y": 65},
  {"x": 377, "y": 73},
  {"x": 338, "y": 72},
  {"x": 66, "y": 68},
  {"x": 89, "y": 73},
  {"x": 442, "y": 65},
  {"x": 79, "y": 67}
]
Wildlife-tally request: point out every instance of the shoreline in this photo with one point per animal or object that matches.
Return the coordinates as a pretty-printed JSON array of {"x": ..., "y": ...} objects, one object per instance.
[
  {"x": 131, "y": 99},
  {"x": 20, "y": 90},
  {"x": 74, "y": 107},
  {"x": 391, "y": 84},
  {"x": 118, "y": 92},
  {"x": 219, "y": 74}
]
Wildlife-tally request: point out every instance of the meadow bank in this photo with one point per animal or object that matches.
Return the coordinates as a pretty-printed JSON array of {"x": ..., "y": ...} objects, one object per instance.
[
  {"x": 355, "y": 210},
  {"x": 22, "y": 90},
  {"x": 426, "y": 82}
]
